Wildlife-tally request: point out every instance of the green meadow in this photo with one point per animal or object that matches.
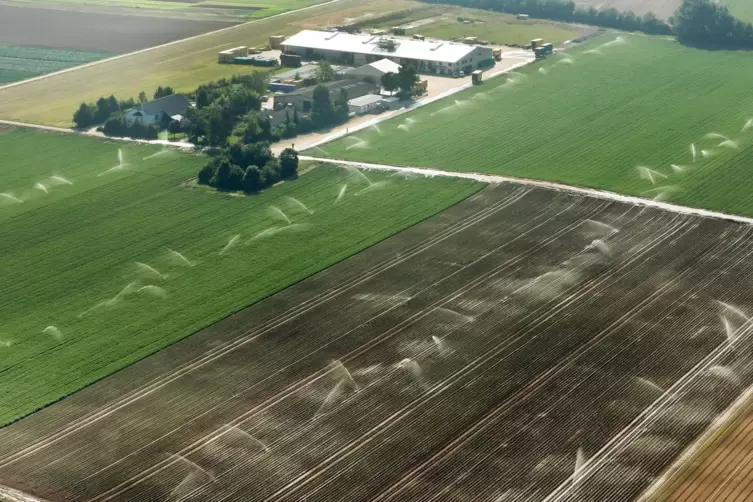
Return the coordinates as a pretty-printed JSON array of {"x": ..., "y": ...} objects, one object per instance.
[
  {"x": 621, "y": 113},
  {"x": 104, "y": 263}
]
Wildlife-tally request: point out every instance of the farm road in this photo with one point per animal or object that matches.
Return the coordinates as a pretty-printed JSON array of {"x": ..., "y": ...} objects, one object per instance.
[
  {"x": 485, "y": 353},
  {"x": 490, "y": 178}
]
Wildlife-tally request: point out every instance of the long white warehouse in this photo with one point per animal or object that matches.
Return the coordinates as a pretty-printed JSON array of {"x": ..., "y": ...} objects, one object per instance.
[{"x": 428, "y": 56}]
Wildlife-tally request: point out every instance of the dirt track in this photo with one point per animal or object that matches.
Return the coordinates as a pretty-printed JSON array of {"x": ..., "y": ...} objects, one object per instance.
[{"x": 480, "y": 354}]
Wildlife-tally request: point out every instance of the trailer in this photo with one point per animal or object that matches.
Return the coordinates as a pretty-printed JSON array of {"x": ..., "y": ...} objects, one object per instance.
[{"x": 477, "y": 77}]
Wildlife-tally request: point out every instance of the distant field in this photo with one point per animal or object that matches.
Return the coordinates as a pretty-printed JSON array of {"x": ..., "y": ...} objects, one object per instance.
[
  {"x": 18, "y": 63},
  {"x": 662, "y": 8},
  {"x": 496, "y": 28},
  {"x": 183, "y": 65},
  {"x": 584, "y": 119},
  {"x": 68, "y": 255},
  {"x": 225, "y": 9},
  {"x": 93, "y": 31}
]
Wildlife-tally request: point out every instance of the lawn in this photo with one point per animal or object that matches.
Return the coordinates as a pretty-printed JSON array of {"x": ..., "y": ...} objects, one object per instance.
[
  {"x": 496, "y": 28},
  {"x": 591, "y": 118},
  {"x": 75, "y": 305},
  {"x": 18, "y": 63},
  {"x": 182, "y": 65}
]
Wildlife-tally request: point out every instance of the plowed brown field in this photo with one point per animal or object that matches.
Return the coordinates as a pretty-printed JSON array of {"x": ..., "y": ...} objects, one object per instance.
[{"x": 524, "y": 345}]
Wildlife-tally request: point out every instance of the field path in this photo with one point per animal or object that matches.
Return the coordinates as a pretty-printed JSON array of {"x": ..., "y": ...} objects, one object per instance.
[
  {"x": 490, "y": 178},
  {"x": 121, "y": 56}
]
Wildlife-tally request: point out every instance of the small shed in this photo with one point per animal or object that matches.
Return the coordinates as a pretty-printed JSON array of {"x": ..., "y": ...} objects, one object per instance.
[
  {"x": 391, "y": 103},
  {"x": 374, "y": 71},
  {"x": 364, "y": 104}
]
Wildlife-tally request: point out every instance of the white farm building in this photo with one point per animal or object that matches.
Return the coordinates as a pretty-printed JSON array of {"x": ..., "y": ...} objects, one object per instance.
[{"x": 428, "y": 56}]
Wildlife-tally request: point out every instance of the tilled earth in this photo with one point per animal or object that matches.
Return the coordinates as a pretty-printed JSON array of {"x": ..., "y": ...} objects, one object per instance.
[{"x": 524, "y": 345}]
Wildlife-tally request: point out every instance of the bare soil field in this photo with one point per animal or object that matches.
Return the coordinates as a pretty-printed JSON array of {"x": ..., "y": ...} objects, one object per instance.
[
  {"x": 662, "y": 8},
  {"x": 524, "y": 345},
  {"x": 93, "y": 31}
]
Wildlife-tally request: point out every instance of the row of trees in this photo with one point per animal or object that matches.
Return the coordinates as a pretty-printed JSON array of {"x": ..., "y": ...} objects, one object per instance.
[
  {"x": 705, "y": 23},
  {"x": 238, "y": 168},
  {"x": 90, "y": 114},
  {"x": 566, "y": 10},
  {"x": 697, "y": 22}
]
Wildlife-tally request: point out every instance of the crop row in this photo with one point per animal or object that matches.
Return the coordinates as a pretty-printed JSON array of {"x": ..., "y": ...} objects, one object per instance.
[
  {"x": 539, "y": 329},
  {"x": 580, "y": 118}
]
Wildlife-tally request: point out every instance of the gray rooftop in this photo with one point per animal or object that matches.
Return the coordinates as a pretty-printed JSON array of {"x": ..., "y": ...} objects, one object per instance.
[{"x": 171, "y": 105}]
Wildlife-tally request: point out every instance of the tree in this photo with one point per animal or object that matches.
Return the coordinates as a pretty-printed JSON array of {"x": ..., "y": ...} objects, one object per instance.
[
  {"x": 271, "y": 172},
  {"x": 84, "y": 116},
  {"x": 202, "y": 98},
  {"x": 207, "y": 174},
  {"x": 113, "y": 104},
  {"x": 103, "y": 110},
  {"x": 161, "y": 92},
  {"x": 142, "y": 97},
  {"x": 408, "y": 79},
  {"x": 341, "y": 110},
  {"x": 223, "y": 173},
  {"x": 324, "y": 72},
  {"x": 174, "y": 127},
  {"x": 218, "y": 124},
  {"x": 241, "y": 101},
  {"x": 257, "y": 154},
  {"x": 252, "y": 180},
  {"x": 322, "y": 112},
  {"x": 288, "y": 163},
  {"x": 235, "y": 179},
  {"x": 390, "y": 82}
]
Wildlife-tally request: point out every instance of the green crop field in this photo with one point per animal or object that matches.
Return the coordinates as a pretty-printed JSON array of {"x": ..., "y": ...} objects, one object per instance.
[
  {"x": 592, "y": 117},
  {"x": 19, "y": 63},
  {"x": 75, "y": 305}
]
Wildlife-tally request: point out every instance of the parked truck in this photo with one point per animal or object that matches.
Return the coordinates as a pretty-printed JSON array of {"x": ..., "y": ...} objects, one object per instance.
[{"x": 477, "y": 77}]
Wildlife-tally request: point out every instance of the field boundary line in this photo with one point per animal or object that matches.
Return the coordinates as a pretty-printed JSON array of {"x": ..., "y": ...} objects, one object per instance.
[
  {"x": 561, "y": 187},
  {"x": 680, "y": 470},
  {"x": 317, "y": 375},
  {"x": 174, "y": 42},
  {"x": 524, "y": 393},
  {"x": 459, "y": 226},
  {"x": 628, "y": 433}
]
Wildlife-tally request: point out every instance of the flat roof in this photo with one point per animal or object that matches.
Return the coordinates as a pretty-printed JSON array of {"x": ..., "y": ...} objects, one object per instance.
[
  {"x": 365, "y": 100},
  {"x": 426, "y": 50},
  {"x": 385, "y": 66}
]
